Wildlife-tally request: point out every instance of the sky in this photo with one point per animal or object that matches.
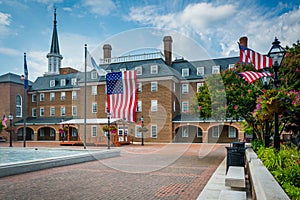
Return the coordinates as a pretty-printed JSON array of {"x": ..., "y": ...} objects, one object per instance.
[{"x": 200, "y": 29}]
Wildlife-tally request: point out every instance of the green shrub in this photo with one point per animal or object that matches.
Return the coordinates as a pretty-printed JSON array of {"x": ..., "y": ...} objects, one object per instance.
[{"x": 284, "y": 166}]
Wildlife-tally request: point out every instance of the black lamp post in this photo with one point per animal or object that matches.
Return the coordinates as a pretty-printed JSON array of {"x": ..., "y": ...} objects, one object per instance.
[
  {"x": 266, "y": 81},
  {"x": 277, "y": 54},
  {"x": 142, "y": 120},
  {"x": 10, "y": 117},
  {"x": 108, "y": 132}
]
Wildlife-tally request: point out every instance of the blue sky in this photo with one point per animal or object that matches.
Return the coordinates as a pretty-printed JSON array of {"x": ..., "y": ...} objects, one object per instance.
[{"x": 200, "y": 29}]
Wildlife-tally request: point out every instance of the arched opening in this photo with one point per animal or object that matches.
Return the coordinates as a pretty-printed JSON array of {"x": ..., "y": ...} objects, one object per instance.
[
  {"x": 188, "y": 134},
  {"x": 29, "y": 134},
  {"x": 46, "y": 133},
  {"x": 222, "y": 134}
]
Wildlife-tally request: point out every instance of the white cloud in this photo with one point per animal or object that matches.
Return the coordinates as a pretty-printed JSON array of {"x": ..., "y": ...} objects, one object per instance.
[
  {"x": 99, "y": 7},
  {"x": 5, "y": 19},
  {"x": 218, "y": 26},
  {"x": 9, "y": 51}
]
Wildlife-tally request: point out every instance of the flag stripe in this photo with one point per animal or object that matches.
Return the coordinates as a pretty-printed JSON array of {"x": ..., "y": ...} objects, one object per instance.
[
  {"x": 122, "y": 104},
  {"x": 256, "y": 59},
  {"x": 250, "y": 76}
]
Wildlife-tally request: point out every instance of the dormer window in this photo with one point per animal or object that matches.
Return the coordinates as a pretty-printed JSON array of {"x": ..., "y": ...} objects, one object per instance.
[
  {"x": 94, "y": 75},
  {"x": 139, "y": 70},
  {"x": 154, "y": 69},
  {"x": 200, "y": 71},
  {"x": 230, "y": 66},
  {"x": 185, "y": 72},
  {"x": 52, "y": 83},
  {"x": 62, "y": 82},
  {"x": 215, "y": 69},
  {"x": 74, "y": 81}
]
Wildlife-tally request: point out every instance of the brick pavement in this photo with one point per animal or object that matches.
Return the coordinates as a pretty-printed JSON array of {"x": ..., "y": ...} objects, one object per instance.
[{"x": 183, "y": 178}]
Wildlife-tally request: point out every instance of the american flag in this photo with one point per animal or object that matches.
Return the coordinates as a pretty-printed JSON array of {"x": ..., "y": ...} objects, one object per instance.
[
  {"x": 121, "y": 91},
  {"x": 257, "y": 60},
  {"x": 250, "y": 76}
]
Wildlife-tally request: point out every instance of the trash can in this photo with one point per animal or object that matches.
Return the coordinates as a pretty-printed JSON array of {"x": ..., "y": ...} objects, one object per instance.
[{"x": 235, "y": 155}]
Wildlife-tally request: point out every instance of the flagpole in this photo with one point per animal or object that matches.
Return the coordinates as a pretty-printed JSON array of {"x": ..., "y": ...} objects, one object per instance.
[
  {"x": 85, "y": 66},
  {"x": 24, "y": 107}
]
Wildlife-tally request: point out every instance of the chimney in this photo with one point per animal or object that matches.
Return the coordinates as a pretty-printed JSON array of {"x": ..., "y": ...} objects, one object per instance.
[
  {"x": 244, "y": 41},
  {"x": 168, "y": 49},
  {"x": 107, "y": 52}
]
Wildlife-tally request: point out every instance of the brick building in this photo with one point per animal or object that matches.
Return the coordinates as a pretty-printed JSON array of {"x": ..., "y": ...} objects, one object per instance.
[{"x": 166, "y": 89}]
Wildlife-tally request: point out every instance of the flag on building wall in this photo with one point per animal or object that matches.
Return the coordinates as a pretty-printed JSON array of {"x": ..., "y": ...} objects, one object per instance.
[
  {"x": 25, "y": 73},
  {"x": 121, "y": 89},
  {"x": 92, "y": 63},
  {"x": 250, "y": 76},
  {"x": 4, "y": 120},
  {"x": 257, "y": 60}
]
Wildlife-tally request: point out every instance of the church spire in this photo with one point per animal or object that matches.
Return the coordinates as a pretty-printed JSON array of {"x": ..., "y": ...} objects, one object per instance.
[{"x": 54, "y": 57}]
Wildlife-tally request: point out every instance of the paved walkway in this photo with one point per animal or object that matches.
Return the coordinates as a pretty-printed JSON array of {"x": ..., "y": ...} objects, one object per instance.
[{"x": 153, "y": 171}]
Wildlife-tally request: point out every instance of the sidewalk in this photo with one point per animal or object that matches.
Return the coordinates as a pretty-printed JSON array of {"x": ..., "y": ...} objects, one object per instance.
[{"x": 216, "y": 184}]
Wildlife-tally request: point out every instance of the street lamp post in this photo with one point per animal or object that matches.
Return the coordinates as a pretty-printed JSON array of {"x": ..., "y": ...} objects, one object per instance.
[
  {"x": 108, "y": 132},
  {"x": 277, "y": 54},
  {"x": 266, "y": 81},
  {"x": 10, "y": 117},
  {"x": 142, "y": 120}
]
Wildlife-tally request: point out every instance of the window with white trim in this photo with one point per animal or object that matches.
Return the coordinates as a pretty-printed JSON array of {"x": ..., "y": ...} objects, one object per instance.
[
  {"x": 94, "y": 75},
  {"x": 139, "y": 70},
  {"x": 42, "y": 97},
  {"x": 199, "y": 133},
  {"x": 139, "y": 106},
  {"x": 185, "y": 107},
  {"x": 153, "y": 86},
  {"x": 185, "y": 88},
  {"x": 74, "y": 110},
  {"x": 230, "y": 66},
  {"x": 94, "y": 90},
  {"x": 74, "y": 95},
  {"x": 215, "y": 69},
  {"x": 94, "y": 131},
  {"x": 140, "y": 87},
  {"x": 215, "y": 132},
  {"x": 94, "y": 107},
  {"x": 200, "y": 71},
  {"x": 62, "y": 110},
  {"x": 52, "y": 83},
  {"x": 42, "y": 112},
  {"x": 174, "y": 106},
  {"x": 74, "y": 81},
  {"x": 154, "y": 105},
  {"x": 63, "y": 82},
  {"x": 52, "y": 96},
  {"x": 33, "y": 112},
  {"x": 185, "y": 72},
  {"x": 154, "y": 69},
  {"x": 33, "y": 98},
  {"x": 52, "y": 111},
  {"x": 231, "y": 132},
  {"x": 185, "y": 132},
  {"x": 18, "y": 106},
  {"x": 138, "y": 134},
  {"x": 63, "y": 96},
  {"x": 199, "y": 85},
  {"x": 154, "y": 131}
]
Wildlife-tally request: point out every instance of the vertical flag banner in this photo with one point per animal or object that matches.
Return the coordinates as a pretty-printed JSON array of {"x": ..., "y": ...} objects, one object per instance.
[
  {"x": 250, "y": 76},
  {"x": 25, "y": 73},
  {"x": 4, "y": 120},
  {"x": 121, "y": 88},
  {"x": 92, "y": 63},
  {"x": 257, "y": 60}
]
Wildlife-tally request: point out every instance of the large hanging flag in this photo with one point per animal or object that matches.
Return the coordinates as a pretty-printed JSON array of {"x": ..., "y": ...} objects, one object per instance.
[
  {"x": 92, "y": 63},
  {"x": 250, "y": 76},
  {"x": 257, "y": 60},
  {"x": 121, "y": 89},
  {"x": 25, "y": 73},
  {"x": 4, "y": 120}
]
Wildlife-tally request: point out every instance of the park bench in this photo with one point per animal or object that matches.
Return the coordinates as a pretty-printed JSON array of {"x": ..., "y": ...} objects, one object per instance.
[{"x": 235, "y": 177}]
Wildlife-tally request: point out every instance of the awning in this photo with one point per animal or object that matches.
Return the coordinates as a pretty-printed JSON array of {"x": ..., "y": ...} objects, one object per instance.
[{"x": 92, "y": 121}]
